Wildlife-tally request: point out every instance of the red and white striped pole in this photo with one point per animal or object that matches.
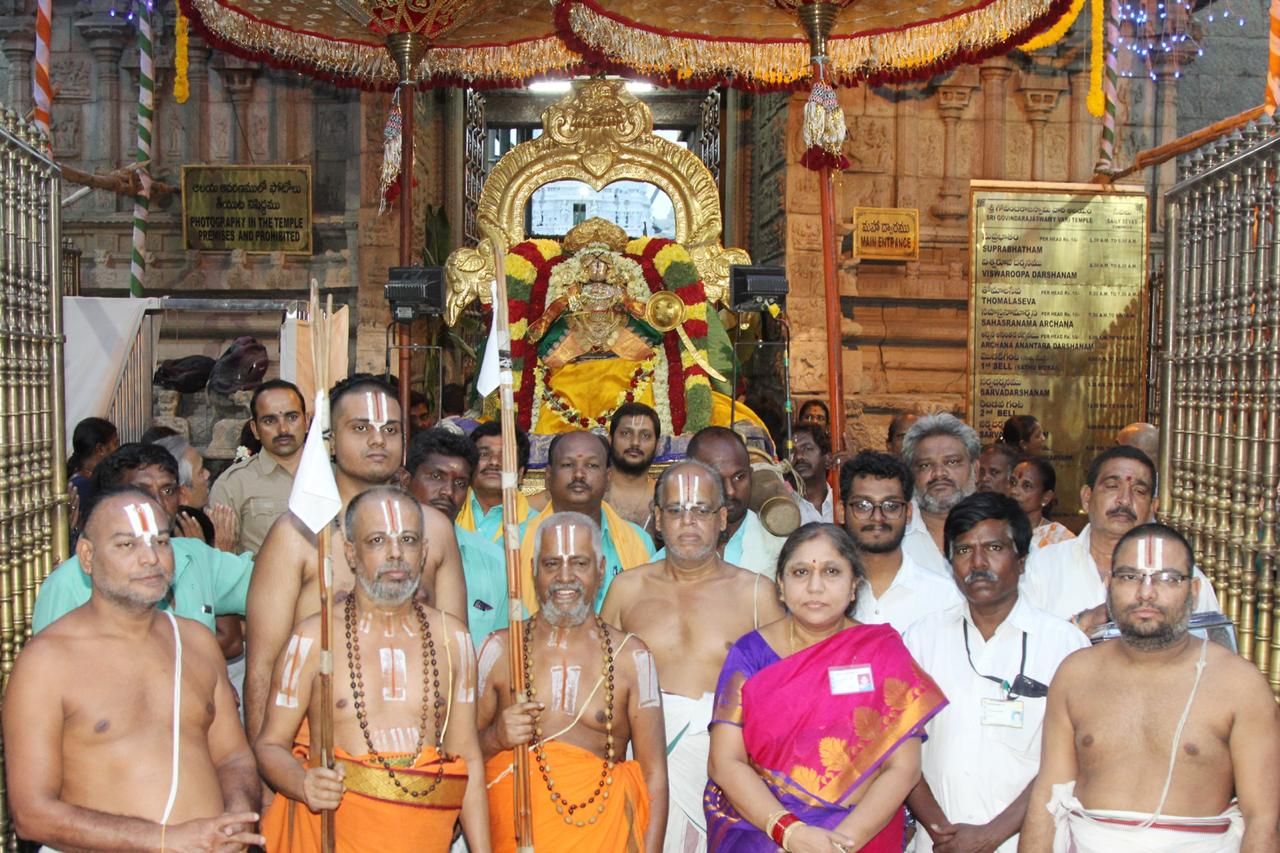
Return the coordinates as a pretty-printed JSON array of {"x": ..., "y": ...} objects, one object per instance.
[{"x": 42, "y": 88}]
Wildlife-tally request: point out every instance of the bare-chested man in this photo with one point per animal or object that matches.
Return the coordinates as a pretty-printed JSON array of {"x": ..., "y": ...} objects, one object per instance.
[
  {"x": 1159, "y": 722},
  {"x": 634, "y": 433},
  {"x": 368, "y": 444},
  {"x": 101, "y": 751},
  {"x": 690, "y": 608},
  {"x": 404, "y": 729},
  {"x": 592, "y": 691}
]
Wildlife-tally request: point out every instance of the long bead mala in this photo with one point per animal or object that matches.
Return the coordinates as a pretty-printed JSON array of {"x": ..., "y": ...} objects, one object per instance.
[
  {"x": 430, "y": 696},
  {"x": 564, "y": 807}
]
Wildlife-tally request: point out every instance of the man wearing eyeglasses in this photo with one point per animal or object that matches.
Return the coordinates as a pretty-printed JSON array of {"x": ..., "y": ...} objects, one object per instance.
[
  {"x": 1069, "y": 579},
  {"x": 689, "y": 607},
  {"x": 1160, "y": 740},
  {"x": 941, "y": 452},
  {"x": 876, "y": 489},
  {"x": 994, "y": 655}
]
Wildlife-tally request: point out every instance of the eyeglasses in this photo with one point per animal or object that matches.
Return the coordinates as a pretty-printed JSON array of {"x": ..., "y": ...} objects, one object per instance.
[
  {"x": 890, "y": 509},
  {"x": 1162, "y": 580},
  {"x": 699, "y": 512}
]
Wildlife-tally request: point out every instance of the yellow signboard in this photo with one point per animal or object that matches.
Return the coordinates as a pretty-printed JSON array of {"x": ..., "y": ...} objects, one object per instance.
[
  {"x": 886, "y": 233},
  {"x": 254, "y": 208},
  {"x": 1058, "y": 284}
]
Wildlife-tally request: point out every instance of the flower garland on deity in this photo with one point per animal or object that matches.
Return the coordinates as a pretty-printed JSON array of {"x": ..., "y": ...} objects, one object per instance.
[{"x": 539, "y": 271}]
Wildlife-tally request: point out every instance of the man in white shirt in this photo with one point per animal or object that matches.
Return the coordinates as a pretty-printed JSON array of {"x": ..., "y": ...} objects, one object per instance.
[
  {"x": 941, "y": 452},
  {"x": 876, "y": 489},
  {"x": 810, "y": 453},
  {"x": 1069, "y": 579},
  {"x": 994, "y": 655}
]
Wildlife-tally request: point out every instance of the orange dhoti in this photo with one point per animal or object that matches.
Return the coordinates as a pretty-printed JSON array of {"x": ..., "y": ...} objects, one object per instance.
[
  {"x": 576, "y": 773},
  {"x": 375, "y": 816}
]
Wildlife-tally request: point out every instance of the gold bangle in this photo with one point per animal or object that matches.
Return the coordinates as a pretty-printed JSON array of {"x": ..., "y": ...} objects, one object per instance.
[{"x": 162, "y": 829}]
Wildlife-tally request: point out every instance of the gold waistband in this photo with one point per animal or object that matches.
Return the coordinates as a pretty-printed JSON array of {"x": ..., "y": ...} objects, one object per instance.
[{"x": 375, "y": 782}]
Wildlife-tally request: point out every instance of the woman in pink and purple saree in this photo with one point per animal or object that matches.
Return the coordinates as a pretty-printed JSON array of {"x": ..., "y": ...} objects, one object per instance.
[{"x": 816, "y": 729}]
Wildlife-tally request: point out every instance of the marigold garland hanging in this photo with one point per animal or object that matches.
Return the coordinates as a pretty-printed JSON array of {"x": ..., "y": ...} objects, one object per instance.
[
  {"x": 181, "y": 84},
  {"x": 1054, "y": 34},
  {"x": 1097, "y": 102}
]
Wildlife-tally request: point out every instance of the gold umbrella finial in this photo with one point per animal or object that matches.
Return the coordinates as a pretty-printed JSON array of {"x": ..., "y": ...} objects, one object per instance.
[
  {"x": 407, "y": 49},
  {"x": 817, "y": 20}
]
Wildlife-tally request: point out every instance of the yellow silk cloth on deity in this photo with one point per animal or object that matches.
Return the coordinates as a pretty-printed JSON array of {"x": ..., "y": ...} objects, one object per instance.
[
  {"x": 576, "y": 772},
  {"x": 375, "y": 816},
  {"x": 598, "y": 386},
  {"x": 592, "y": 388},
  {"x": 721, "y": 406},
  {"x": 629, "y": 545}
]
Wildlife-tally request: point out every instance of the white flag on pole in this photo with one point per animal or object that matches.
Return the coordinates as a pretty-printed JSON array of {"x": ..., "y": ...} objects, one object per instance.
[
  {"x": 487, "y": 379},
  {"x": 314, "y": 498}
]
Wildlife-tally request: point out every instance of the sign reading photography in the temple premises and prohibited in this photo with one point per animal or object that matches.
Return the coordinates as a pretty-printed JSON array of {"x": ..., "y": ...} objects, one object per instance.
[
  {"x": 254, "y": 208},
  {"x": 1057, "y": 296},
  {"x": 886, "y": 233}
]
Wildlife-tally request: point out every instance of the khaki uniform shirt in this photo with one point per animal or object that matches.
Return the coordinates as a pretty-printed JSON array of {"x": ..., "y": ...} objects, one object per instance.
[{"x": 258, "y": 489}]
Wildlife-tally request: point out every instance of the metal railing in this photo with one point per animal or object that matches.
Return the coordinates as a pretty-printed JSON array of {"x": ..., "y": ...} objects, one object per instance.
[
  {"x": 1220, "y": 377},
  {"x": 33, "y": 482}
]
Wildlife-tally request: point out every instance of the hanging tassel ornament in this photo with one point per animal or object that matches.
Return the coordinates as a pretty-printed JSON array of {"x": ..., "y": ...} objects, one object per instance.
[
  {"x": 181, "y": 85},
  {"x": 824, "y": 130},
  {"x": 392, "y": 139}
]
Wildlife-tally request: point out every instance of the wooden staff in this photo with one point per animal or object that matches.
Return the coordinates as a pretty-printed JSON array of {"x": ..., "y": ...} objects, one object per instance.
[
  {"x": 324, "y": 560},
  {"x": 511, "y": 538},
  {"x": 1183, "y": 144}
]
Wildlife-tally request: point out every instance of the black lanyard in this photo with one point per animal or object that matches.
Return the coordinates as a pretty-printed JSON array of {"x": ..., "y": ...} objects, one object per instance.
[{"x": 1004, "y": 685}]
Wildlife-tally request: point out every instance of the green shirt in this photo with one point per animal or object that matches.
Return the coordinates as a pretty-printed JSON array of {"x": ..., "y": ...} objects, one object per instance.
[
  {"x": 207, "y": 583},
  {"x": 484, "y": 567}
]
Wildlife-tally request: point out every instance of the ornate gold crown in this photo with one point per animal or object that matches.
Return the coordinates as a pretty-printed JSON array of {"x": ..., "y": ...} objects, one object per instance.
[{"x": 592, "y": 231}]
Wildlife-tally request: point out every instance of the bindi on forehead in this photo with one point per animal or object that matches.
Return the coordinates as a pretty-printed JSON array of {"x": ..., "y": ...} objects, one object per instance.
[{"x": 142, "y": 521}]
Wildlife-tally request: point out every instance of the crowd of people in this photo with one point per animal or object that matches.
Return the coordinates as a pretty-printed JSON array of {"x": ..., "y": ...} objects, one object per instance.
[{"x": 910, "y": 668}]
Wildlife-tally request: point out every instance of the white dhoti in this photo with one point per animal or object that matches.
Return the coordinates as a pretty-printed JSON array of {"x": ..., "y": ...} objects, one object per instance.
[
  {"x": 688, "y": 743},
  {"x": 1081, "y": 830}
]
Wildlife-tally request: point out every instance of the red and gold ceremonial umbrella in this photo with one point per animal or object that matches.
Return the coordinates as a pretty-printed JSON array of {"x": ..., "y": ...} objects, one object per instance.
[
  {"x": 788, "y": 44},
  {"x": 380, "y": 44},
  {"x": 401, "y": 44}
]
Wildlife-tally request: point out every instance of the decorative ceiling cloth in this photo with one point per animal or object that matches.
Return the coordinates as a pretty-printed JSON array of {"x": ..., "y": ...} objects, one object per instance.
[
  {"x": 480, "y": 43},
  {"x": 758, "y": 44}
]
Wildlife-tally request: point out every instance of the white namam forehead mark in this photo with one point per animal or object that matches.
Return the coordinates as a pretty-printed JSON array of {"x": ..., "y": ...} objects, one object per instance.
[
  {"x": 646, "y": 679},
  {"x": 489, "y": 654},
  {"x": 142, "y": 521},
  {"x": 376, "y": 408},
  {"x": 691, "y": 487},
  {"x": 1150, "y": 555},
  {"x": 391, "y": 516},
  {"x": 294, "y": 657}
]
